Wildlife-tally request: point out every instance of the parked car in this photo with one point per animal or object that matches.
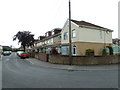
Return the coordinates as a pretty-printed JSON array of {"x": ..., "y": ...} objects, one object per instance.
[
  {"x": 24, "y": 55},
  {"x": 6, "y": 53},
  {"x": 19, "y": 52}
]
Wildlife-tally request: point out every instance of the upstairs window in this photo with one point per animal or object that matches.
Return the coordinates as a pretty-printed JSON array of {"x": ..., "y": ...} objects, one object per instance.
[
  {"x": 59, "y": 38},
  {"x": 73, "y": 33},
  {"x": 65, "y": 36},
  {"x": 100, "y": 34},
  {"x": 52, "y": 32},
  {"x": 51, "y": 40},
  {"x": 47, "y": 34}
]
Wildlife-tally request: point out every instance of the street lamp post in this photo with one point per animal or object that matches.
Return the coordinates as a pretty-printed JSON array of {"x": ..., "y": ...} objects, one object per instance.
[{"x": 104, "y": 40}]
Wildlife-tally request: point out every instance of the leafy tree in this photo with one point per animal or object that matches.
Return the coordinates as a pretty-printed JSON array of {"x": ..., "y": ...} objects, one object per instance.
[{"x": 25, "y": 38}]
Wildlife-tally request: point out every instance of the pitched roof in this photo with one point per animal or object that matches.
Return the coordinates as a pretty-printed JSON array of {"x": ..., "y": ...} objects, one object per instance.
[{"x": 84, "y": 23}]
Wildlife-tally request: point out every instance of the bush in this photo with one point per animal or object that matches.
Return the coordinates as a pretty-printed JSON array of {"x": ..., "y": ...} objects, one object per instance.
[
  {"x": 54, "y": 51},
  {"x": 104, "y": 53},
  {"x": 110, "y": 49},
  {"x": 89, "y": 52}
]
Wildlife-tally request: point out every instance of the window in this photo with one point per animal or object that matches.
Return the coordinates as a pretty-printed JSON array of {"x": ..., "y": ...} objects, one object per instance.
[
  {"x": 59, "y": 38},
  {"x": 47, "y": 34},
  {"x": 65, "y": 50},
  {"x": 45, "y": 42},
  {"x": 65, "y": 36},
  {"x": 51, "y": 40},
  {"x": 73, "y": 33},
  {"x": 48, "y": 41},
  {"x": 52, "y": 32},
  {"x": 101, "y": 34},
  {"x": 48, "y": 50}
]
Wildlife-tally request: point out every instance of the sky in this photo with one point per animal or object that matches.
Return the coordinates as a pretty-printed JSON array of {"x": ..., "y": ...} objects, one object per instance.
[{"x": 40, "y": 16}]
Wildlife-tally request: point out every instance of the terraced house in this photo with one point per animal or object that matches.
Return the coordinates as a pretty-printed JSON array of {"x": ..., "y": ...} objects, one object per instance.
[
  {"x": 50, "y": 42},
  {"x": 85, "y": 36}
]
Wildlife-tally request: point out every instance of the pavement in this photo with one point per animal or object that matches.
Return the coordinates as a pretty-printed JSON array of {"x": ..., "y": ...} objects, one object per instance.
[{"x": 40, "y": 63}]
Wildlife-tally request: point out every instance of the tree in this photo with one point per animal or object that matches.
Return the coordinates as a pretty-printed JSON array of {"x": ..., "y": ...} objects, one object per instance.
[{"x": 25, "y": 38}]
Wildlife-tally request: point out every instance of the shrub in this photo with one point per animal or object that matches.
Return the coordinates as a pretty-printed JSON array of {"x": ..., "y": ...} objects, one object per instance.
[
  {"x": 89, "y": 52},
  {"x": 110, "y": 49},
  {"x": 54, "y": 51},
  {"x": 104, "y": 53}
]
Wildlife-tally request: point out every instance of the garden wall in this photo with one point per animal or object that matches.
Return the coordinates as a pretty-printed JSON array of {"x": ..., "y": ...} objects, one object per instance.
[
  {"x": 84, "y": 60},
  {"x": 77, "y": 60},
  {"x": 40, "y": 56}
]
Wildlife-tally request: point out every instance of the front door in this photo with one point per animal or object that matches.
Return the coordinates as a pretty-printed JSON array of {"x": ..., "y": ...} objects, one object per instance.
[{"x": 74, "y": 50}]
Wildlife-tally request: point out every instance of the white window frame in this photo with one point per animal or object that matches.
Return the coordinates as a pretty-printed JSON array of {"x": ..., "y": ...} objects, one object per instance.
[
  {"x": 73, "y": 33},
  {"x": 59, "y": 38},
  {"x": 65, "y": 36},
  {"x": 65, "y": 50},
  {"x": 52, "y": 32},
  {"x": 51, "y": 40}
]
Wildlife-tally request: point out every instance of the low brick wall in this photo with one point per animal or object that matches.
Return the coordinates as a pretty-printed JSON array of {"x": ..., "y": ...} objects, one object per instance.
[
  {"x": 40, "y": 56},
  {"x": 83, "y": 60},
  {"x": 43, "y": 57},
  {"x": 32, "y": 55},
  {"x": 77, "y": 60}
]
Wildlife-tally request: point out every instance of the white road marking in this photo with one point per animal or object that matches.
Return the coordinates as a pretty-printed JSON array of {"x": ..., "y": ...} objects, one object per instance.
[{"x": 29, "y": 61}]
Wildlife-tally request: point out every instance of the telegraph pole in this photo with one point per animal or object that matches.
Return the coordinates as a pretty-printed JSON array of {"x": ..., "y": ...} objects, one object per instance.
[
  {"x": 104, "y": 40},
  {"x": 70, "y": 42}
]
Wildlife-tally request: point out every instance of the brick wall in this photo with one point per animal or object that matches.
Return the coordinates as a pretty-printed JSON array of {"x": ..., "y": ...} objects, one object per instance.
[
  {"x": 77, "y": 60},
  {"x": 58, "y": 59},
  {"x": 32, "y": 55},
  {"x": 42, "y": 56}
]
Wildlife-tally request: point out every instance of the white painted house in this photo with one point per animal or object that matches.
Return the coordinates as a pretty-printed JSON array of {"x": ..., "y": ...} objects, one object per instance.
[{"x": 85, "y": 35}]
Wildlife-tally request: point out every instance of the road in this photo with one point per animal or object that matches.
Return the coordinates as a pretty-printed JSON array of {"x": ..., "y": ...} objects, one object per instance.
[{"x": 20, "y": 73}]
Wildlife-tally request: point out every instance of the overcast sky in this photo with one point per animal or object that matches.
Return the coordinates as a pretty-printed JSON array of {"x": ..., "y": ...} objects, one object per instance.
[{"x": 40, "y": 16}]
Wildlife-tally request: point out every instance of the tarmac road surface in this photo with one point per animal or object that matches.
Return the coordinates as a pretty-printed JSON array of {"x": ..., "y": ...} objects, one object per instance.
[{"x": 26, "y": 73}]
